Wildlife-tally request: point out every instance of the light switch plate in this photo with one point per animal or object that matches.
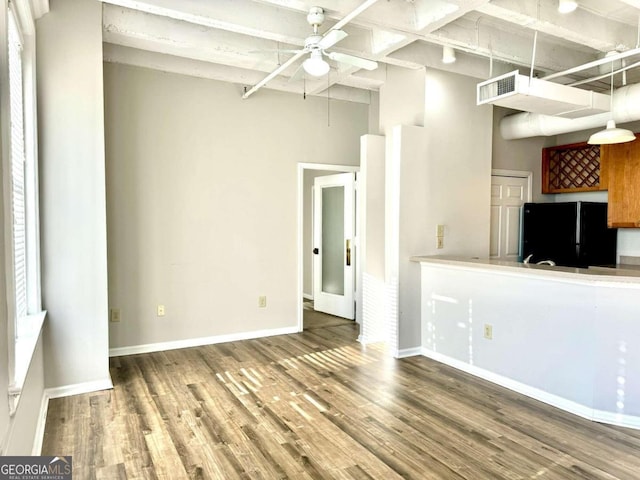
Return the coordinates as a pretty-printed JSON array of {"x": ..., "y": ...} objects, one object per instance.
[
  {"x": 488, "y": 331},
  {"x": 439, "y": 230},
  {"x": 115, "y": 315}
]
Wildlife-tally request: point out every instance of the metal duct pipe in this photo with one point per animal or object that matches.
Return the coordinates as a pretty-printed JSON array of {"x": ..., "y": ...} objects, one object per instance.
[{"x": 626, "y": 108}]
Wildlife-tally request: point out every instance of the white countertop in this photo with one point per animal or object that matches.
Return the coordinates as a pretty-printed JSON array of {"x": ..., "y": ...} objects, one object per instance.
[{"x": 591, "y": 275}]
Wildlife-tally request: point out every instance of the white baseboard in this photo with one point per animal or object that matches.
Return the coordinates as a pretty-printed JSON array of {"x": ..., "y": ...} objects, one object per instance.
[
  {"x": 618, "y": 419},
  {"x": 42, "y": 421},
  {"x": 198, "y": 342},
  {"x": 368, "y": 341},
  {"x": 59, "y": 392},
  {"x": 408, "y": 352},
  {"x": 570, "y": 406},
  {"x": 78, "y": 388},
  {"x": 307, "y": 296}
]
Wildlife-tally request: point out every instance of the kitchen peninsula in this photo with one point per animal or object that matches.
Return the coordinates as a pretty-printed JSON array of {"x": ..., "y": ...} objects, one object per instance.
[{"x": 569, "y": 337}]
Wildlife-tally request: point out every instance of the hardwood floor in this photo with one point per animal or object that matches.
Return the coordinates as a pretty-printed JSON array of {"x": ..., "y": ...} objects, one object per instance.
[
  {"x": 313, "y": 319},
  {"x": 319, "y": 405}
]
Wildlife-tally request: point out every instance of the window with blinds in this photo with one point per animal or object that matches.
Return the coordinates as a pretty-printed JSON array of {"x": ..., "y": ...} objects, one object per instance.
[{"x": 18, "y": 209}]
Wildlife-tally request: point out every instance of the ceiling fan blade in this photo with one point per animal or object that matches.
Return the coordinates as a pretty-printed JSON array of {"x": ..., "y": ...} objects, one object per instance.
[
  {"x": 355, "y": 61},
  {"x": 331, "y": 38},
  {"x": 272, "y": 75},
  {"x": 297, "y": 75},
  {"x": 269, "y": 50}
]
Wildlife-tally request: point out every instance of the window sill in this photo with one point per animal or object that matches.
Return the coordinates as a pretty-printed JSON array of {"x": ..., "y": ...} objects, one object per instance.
[{"x": 25, "y": 346}]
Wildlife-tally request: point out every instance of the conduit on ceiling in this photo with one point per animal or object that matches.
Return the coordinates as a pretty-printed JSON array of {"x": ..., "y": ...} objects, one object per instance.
[{"x": 626, "y": 108}]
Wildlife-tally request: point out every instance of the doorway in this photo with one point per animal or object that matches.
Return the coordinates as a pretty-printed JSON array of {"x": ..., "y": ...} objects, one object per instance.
[
  {"x": 307, "y": 173},
  {"x": 510, "y": 189}
]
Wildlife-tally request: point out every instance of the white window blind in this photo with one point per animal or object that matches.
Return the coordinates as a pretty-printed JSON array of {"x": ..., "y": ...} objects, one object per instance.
[{"x": 17, "y": 168}]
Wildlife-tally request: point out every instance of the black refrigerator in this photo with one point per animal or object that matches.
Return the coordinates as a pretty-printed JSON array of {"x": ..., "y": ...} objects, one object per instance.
[{"x": 572, "y": 234}]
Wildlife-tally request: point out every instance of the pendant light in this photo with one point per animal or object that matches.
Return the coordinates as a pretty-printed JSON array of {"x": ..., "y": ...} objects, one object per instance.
[{"x": 611, "y": 134}]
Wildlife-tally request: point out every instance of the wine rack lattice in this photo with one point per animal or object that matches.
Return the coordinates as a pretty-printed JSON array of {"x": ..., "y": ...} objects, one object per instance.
[{"x": 571, "y": 168}]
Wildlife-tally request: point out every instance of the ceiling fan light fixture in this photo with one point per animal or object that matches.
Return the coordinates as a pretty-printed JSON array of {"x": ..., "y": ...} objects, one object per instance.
[
  {"x": 315, "y": 65},
  {"x": 448, "y": 55},
  {"x": 567, "y": 6},
  {"x": 611, "y": 135}
]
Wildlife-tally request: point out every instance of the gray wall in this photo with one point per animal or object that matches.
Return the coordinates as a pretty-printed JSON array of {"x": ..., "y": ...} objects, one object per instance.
[
  {"x": 202, "y": 207},
  {"x": 72, "y": 193},
  {"x": 524, "y": 154}
]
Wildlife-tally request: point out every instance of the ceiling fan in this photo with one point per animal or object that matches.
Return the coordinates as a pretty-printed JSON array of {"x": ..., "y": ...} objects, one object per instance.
[{"x": 315, "y": 47}]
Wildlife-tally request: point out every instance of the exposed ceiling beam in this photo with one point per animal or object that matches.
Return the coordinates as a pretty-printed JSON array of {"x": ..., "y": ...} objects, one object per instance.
[
  {"x": 581, "y": 27},
  {"x": 202, "y": 69},
  {"x": 137, "y": 29},
  {"x": 239, "y": 16},
  {"x": 430, "y": 55},
  {"x": 515, "y": 47},
  {"x": 145, "y": 31},
  {"x": 429, "y": 17},
  {"x": 240, "y": 36},
  {"x": 632, "y": 3}
]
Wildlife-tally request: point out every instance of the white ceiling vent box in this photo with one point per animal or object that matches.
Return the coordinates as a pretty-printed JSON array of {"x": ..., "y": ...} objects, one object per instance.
[{"x": 519, "y": 92}]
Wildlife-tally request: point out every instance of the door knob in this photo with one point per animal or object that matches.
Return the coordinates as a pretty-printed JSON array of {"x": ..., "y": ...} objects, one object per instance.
[{"x": 316, "y": 251}]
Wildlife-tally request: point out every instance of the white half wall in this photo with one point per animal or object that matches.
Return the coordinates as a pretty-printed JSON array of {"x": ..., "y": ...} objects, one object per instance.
[
  {"x": 72, "y": 196},
  {"x": 568, "y": 339},
  {"x": 202, "y": 201}
]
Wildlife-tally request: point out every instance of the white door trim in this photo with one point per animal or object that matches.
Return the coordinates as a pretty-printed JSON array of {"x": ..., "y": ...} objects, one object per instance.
[
  {"x": 301, "y": 168},
  {"x": 496, "y": 172}
]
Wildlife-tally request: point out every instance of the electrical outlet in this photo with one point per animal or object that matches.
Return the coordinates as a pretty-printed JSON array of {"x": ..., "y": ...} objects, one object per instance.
[
  {"x": 161, "y": 310},
  {"x": 115, "y": 315},
  {"x": 439, "y": 242},
  {"x": 488, "y": 331},
  {"x": 262, "y": 301}
]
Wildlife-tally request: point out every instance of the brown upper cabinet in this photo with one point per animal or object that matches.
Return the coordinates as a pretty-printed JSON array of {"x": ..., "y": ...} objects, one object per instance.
[{"x": 621, "y": 165}]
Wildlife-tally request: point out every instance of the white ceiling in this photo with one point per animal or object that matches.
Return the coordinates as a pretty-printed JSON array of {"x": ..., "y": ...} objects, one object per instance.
[{"x": 226, "y": 39}]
